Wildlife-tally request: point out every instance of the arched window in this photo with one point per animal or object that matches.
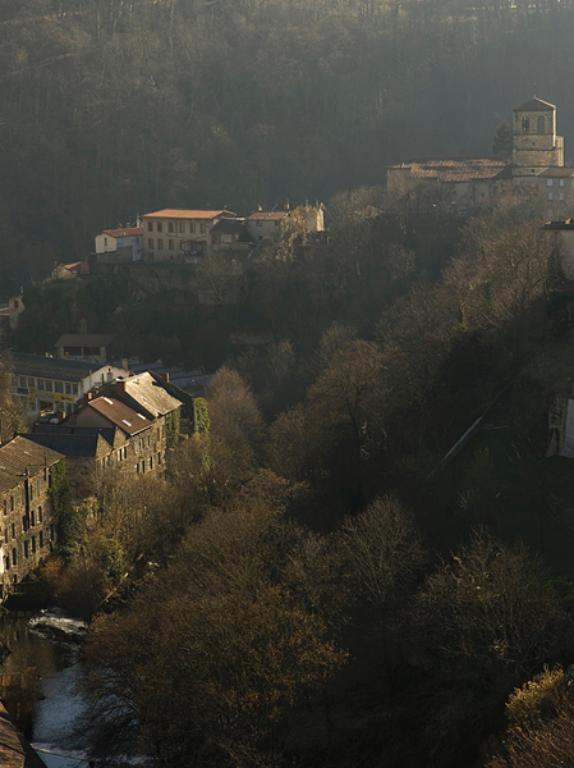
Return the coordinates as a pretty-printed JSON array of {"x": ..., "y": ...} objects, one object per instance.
[
  {"x": 541, "y": 124},
  {"x": 525, "y": 125}
]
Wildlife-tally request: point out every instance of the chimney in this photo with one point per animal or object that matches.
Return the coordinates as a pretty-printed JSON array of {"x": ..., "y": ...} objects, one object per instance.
[
  {"x": 89, "y": 396},
  {"x": 125, "y": 364},
  {"x": 121, "y": 385},
  {"x": 166, "y": 377}
]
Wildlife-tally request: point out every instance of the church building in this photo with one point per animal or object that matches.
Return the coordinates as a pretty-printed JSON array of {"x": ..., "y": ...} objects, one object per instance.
[{"x": 536, "y": 171}]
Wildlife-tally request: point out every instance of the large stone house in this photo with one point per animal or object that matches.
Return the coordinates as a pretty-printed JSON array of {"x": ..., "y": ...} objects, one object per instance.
[
  {"x": 176, "y": 235},
  {"x": 89, "y": 451},
  {"x": 145, "y": 446},
  {"x": 536, "y": 171},
  {"x": 144, "y": 394},
  {"x": 27, "y": 528}
]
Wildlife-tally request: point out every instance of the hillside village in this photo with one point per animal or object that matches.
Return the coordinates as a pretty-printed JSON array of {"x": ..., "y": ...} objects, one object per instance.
[
  {"x": 91, "y": 412},
  {"x": 98, "y": 415},
  {"x": 90, "y": 416}
]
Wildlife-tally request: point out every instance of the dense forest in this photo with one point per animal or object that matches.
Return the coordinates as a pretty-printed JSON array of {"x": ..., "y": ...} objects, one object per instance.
[
  {"x": 325, "y": 582},
  {"x": 113, "y": 107}
]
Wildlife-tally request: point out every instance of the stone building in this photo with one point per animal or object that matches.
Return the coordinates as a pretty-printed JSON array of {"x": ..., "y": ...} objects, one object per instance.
[
  {"x": 146, "y": 439},
  {"x": 175, "y": 235},
  {"x": 536, "y": 172},
  {"x": 90, "y": 347},
  {"x": 89, "y": 451},
  {"x": 145, "y": 394},
  {"x": 27, "y": 528}
]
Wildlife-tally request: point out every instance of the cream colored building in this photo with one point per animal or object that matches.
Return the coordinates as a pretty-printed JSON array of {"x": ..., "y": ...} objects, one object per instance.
[
  {"x": 179, "y": 235},
  {"x": 537, "y": 172}
]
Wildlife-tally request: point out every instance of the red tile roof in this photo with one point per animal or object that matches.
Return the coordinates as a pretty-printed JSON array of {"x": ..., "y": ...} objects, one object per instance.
[
  {"x": 175, "y": 213},
  {"x": 126, "y": 232},
  {"x": 454, "y": 170}
]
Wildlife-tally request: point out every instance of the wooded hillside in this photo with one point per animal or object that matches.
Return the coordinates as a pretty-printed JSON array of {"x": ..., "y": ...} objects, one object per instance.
[{"x": 112, "y": 107}]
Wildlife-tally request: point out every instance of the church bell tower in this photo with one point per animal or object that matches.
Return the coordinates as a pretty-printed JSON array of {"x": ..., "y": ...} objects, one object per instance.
[{"x": 536, "y": 145}]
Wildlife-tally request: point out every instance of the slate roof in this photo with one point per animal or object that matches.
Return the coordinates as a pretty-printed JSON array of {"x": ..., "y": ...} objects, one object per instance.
[
  {"x": 232, "y": 227},
  {"x": 535, "y": 105},
  {"x": 73, "y": 445},
  {"x": 148, "y": 394},
  {"x": 22, "y": 454},
  {"x": 559, "y": 225},
  {"x": 52, "y": 367},
  {"x": 129, "y": 421},
  {"x": 84, "y": 340}
]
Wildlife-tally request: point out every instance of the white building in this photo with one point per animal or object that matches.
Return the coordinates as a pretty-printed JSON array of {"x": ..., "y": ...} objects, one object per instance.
[
  {"x": 125, "y": 243},
  {"x": 50, "y": 384}
]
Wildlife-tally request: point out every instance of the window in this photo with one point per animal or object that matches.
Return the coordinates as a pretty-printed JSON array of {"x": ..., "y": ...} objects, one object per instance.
[
  {"x": 562, "y": 183},
  {"x": 160, "y": 226},
  {"x": 105, "y": 240},
  {"x": 7, "y": 562},
  {"x": 32, "y": 517},
  {"x": 170, "y": 227},
  {"x": 203, "y": 228},
  {"x": 59, "y": 387},
  {"x": 69, "y": 389},
  {"x": 160, "y": 244},
  {"x": 150, "y": 243},
  {"x": 550, "y": 196},
  {"x": 5, "y": 506},
  {"x": 11, "y": 503},
  {"x": 192, "y": 227},
  {"x": 561, "y": 195},
  {"x": 22, "y": 381},
  {"x": 549, "y": 182},
  {"x": 525, "y": 125},
  {"x": 150, "y": 226},
  {"x": 41, "y": 539},
  {"x": 14, "y": 557},
  {"x": 181, "y": 227},
  {"x": 541, "y": 124},
  {"x": 25, "y": 523},
  {"x": 171, "y": 246},
  {"x": 40, "y": 514},
  {"x": 49, "y": 385},
  {"x": 33, "y": 544},
  {"x": 13, "y": 531},
  {"x": 26, "y": 545}
]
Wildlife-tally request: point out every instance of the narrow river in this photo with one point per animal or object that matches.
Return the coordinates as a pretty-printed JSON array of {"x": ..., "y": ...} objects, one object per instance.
[{"x": 47, "y": 702}]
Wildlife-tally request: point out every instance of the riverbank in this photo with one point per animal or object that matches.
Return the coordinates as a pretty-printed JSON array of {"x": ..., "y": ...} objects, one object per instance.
[{"x": 42, "y": 676}]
